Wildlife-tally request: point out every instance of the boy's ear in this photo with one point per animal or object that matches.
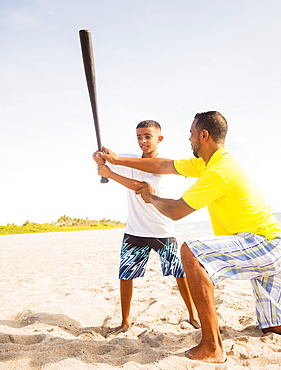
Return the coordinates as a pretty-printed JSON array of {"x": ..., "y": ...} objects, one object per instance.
[{"x": 160, "y": 138}]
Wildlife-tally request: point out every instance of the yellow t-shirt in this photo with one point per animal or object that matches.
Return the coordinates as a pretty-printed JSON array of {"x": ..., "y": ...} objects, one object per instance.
[{"x": 234, "y": 202}]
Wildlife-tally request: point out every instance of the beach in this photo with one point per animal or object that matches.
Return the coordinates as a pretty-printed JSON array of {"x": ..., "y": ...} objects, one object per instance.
[{"x": 59, "y": 296}]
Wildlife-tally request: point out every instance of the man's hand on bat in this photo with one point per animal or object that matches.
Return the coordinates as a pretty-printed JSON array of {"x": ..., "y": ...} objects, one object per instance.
[
  {"x": 97, "y": 158},
  {"x": 146, "y": 192}
]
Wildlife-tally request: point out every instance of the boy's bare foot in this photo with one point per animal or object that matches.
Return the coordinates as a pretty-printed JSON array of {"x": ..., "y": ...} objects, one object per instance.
[
  {"x": 194, "y": 323},
  {"x": 118, "y": 330},
  {"x": 272, "y": 329},
  {"x": 200, "y": 353}
]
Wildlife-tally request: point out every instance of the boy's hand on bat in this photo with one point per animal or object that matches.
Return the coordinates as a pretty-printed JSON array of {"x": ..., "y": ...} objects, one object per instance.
[{"x": 104, "y": 170}]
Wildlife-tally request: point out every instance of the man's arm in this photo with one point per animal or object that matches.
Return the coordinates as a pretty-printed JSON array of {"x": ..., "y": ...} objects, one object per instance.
[
  {"x": 174, "y": 209},
  {"x": 152, "y": 165},
  {"x": 105, "y": 171}
]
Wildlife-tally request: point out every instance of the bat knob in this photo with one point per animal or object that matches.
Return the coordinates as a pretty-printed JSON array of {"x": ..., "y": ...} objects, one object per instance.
[{"x": 104, "y": 180}]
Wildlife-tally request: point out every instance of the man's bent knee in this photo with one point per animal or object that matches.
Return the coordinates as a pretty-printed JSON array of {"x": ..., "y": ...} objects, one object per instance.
[
  {"x": 185, "y": 251},
  {"x": 187, "y": 257}
]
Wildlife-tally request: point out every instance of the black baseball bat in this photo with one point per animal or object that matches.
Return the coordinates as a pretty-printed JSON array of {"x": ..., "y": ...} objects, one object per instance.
[{"x": 89, "y": 66}]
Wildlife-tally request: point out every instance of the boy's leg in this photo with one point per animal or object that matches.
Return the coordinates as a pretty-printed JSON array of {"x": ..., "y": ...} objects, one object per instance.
[
  {"x": 210, "y": 348},
  {"x": 133, "y": 261},
  {"x": 167, "y": 248},
  {"x": 186, "y": 296},
  {"x": 126, "y": 292}
]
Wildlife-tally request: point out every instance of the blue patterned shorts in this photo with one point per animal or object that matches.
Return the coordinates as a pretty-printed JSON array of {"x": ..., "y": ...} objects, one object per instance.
[{"x": 135, "y": 253}]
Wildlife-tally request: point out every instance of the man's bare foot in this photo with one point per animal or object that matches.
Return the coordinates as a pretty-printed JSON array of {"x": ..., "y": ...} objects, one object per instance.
[
  {"x": 272, "y": 329},
  {"x": 118, "y": 330},
  {"x": 199, "y": 353},
  {"x": 194, "y": 323}
]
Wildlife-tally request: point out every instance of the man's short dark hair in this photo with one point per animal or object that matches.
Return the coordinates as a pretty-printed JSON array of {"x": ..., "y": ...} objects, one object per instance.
[
  {"x": 149, "y": 123},
  {"x": 214, "y": 122}
]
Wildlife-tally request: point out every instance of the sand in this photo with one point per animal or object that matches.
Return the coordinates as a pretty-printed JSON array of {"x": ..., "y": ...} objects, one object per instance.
[{"x": 60, "y": 295}]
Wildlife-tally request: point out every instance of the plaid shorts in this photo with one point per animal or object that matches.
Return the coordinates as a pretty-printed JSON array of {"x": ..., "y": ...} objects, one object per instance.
[
  {"x": 135, "y": 253},
  {"x": 246, "y": 256}
]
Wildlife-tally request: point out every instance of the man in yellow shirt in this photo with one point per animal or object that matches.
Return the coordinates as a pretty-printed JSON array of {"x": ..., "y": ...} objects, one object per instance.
[{"x": 247, "y": 241}]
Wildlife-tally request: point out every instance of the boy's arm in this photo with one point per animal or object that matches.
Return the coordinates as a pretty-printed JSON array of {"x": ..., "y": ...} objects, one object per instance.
[
  {"x": 152, "y": 165},
  {"x": 105, "y": 171}
]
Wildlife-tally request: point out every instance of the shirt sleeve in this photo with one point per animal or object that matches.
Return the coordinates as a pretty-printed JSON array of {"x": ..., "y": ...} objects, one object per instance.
[
  {"x": 209, "y": 187},
  {"x": 154, "y": 180},
  {"x": 122, "y": 170},
  {"x": 192, "y": 167},
  {"x": 151, "y": 178}
]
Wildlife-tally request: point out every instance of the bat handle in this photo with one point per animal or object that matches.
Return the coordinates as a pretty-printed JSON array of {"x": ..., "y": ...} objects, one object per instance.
[{"x": 104, "y": 180}]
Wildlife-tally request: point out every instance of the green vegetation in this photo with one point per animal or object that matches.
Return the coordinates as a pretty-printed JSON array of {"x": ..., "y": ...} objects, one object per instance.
[{"x": 64, "y": 223}]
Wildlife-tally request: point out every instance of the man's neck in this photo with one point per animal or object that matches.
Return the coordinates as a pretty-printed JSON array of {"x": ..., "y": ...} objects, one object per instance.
[{"x": 210, "y": 151}]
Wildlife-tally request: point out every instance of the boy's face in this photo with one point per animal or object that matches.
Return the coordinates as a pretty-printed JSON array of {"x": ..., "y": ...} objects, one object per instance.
[{"x": 148, "y": 139}]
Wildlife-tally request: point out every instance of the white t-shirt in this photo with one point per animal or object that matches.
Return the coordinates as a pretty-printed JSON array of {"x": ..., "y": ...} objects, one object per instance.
[{"x": 143, "y": 218}]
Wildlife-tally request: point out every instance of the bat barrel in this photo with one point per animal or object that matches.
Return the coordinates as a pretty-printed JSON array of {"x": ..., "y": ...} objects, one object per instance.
[{"x": 89, "y": 66}]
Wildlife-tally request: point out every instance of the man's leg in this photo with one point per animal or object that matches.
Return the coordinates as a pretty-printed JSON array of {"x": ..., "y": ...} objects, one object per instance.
[
  {"x": 272, "y": 329},
  {"x": 186, "y": 296},
  {"x": 268, "y": 302},
  {"x": 126, "y": 292},
  {"x": 210, "y": 348}
]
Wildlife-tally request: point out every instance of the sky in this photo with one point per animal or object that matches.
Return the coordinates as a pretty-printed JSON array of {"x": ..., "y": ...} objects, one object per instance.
[{"x": 155, "y": 59}]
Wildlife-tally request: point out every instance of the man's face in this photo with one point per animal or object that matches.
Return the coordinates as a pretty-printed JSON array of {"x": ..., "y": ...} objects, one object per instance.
[{"x": 194, "y": 139}]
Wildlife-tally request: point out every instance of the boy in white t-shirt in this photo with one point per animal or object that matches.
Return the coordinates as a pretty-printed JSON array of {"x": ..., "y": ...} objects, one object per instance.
[{"x": 146, "y": 227}]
